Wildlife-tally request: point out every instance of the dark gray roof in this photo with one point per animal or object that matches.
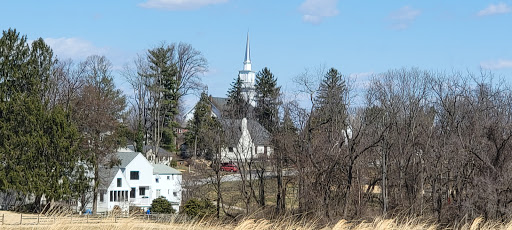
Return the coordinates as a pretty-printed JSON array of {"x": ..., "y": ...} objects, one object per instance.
[
  {"x": 164, "y": 169},
  {"x": 131, "y": 147},
  {"x": 233, "y": 131},
  {"x": 219, "y": 105},
  {"x": 160, "y": 153},
  {"x": 106, "y": 176}
]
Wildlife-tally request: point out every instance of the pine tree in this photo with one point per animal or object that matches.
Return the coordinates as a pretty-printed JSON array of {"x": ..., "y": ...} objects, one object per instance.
[
  {"x": 164, "y": 95},
  {"x": 331, "y": 94},
  {"x": 237, "y": 106},
  {"x": 38, "y": 148},
  {"x": 196, "y": 127},
  {"x": 267, "y": 99}
]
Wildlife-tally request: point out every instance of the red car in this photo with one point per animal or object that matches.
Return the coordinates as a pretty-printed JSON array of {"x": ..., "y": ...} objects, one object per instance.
[{"x": 228, "y": 167}]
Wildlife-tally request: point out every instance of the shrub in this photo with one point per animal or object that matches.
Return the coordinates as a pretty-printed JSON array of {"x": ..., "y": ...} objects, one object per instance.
[
  {"x": 199, "y": 208},
  {"x": 174, "y": 163},
  {"x": 162, "y": 205}
]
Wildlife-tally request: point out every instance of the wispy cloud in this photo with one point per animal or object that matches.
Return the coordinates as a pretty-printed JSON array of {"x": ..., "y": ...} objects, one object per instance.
[
  {"x": 361, "y": 80},
  {"x": 361, "y": 75},
  {"x": 179, "y": 4},
  {"x": 500, "y": 8},
  {"x": 74, "y": 48},
  {"x": 403, "y": 17},
  {"x": 314, "y": 11},
  {"x": 494, "y": 65}
]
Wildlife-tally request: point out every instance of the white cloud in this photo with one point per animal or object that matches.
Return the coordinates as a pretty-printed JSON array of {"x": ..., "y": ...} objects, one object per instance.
[
  {"x": 361, "y": 75},
  {"x": 500, "y": 8},
  {"x": 403, "y": 17},
  {"x": 74, "y": 48},
  {"x": 315, "y": 10},
  {"x": 494, "y": 65},
  {"x": 179, "y": 4}
]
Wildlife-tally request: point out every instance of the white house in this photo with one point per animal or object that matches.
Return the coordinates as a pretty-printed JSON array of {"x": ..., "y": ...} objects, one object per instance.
[
  {"x": 167, "y": 183},
  {"x": 136, "y": 182},
  {"x": 247, "y": 139},
  {"x": 160, "y": 156}
]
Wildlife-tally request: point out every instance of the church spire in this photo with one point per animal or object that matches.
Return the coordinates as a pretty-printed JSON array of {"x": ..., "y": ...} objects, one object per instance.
[{"x": 247, "y": 60}]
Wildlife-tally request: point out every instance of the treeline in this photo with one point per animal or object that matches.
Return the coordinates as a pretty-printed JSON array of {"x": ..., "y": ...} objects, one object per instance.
[
  {"x": 419, "y": 143},
  {"x": 59, "y": 122},
  {"x": 423, "y": 144}
]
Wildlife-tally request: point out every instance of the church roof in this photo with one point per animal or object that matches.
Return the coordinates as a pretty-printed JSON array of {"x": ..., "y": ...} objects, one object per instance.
[
  {"x": 233, "y": 130},
  {"x": 219, "y": 105}
]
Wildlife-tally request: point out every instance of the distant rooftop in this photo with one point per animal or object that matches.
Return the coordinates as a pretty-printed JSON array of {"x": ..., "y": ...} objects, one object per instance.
[{"x": 164, "y": 169}]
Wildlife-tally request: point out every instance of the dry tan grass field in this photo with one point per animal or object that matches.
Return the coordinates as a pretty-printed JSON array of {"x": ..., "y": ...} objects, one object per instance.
[{"x": 12, "y": 221}]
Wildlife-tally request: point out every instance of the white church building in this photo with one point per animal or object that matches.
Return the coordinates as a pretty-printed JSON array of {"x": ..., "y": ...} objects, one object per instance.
[{"x": 247, "y": 139}]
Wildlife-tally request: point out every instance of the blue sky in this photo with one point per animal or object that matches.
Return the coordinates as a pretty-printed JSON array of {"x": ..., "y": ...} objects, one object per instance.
[{"x": 359, "y": 38}]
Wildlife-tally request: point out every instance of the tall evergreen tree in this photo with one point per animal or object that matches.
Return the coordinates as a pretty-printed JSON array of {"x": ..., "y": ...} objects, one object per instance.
[
  {"x": 38, "y": 148},
  {"x": 267, "y": 99},
  {"x": 237, "y": 106},
  {"x": 164, "y": 96},
  {"x": 331, "y": 99},
  {"x": 196, "y": 139}
]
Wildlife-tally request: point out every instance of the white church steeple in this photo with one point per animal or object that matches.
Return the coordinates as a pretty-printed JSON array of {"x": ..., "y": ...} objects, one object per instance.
[
  {"x": 247, "y": 60},
  {"x": 247, "y": 76}
]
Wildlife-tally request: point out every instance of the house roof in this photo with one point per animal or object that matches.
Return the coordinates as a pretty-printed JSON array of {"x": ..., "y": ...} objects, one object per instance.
[
  {"x": 106, "y": 176},
  {"x": 131, "y": 147},
  {"x": 233, "y": 129},
  {"x": 126, "y": 158},
  {"x": 164, "y": 169},
  {"x": 160, "y": 153}
]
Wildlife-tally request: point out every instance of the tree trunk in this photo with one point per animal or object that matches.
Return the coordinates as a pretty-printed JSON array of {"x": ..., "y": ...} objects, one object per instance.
[
  {"x": 279, "y": 196},
  {"x": 95, "y": 191},
  {"x": 37, "y": 203},
  {"x": 217, "y": 174},
  {"x": 262, "y": 189},
  {"x": 384, "y": 183}
]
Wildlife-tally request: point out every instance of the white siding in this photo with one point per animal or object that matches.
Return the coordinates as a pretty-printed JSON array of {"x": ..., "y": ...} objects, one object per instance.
[
  {"x": 140, "y": 164},
  {"x": 169, "y": 188}
]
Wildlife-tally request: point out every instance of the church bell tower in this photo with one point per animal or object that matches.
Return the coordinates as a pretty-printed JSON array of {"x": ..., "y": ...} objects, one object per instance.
[{"x": 247, "y": 76}]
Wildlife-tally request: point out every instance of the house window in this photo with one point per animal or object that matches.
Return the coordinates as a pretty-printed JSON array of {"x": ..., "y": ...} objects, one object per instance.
[
  {"x": 132, "y": 193},
  {"x": 119, "y": 182},
  {"x": 230, "y": 149},
  {"x": 134, "y": 175},
  {"x": 158, "y": 193},
  {"x": 142, "y": 191},
  {"x": 175, "y": 194},
  {"x": 102, "y": 196},
  {"x": 115, "y": 195},
  {"x": 111, "y": 196},
  {"x": 156, "y": 180},
  {"x": 168, "y": 177}
]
